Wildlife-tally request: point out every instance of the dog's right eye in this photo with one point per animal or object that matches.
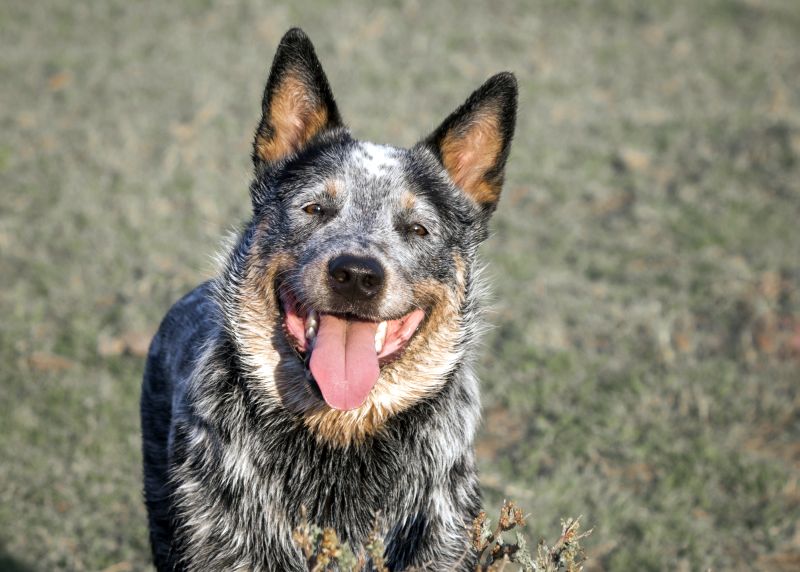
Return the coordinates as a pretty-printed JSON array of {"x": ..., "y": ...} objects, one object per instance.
[{"x": 313, "y": 209}]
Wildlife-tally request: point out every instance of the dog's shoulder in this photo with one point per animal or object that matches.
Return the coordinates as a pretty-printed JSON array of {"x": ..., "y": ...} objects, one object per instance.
[{"x": 182, "y": 334}]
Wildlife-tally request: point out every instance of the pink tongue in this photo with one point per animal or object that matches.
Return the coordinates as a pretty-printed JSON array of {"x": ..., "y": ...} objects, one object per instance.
[{"x": 344, "y": 362}]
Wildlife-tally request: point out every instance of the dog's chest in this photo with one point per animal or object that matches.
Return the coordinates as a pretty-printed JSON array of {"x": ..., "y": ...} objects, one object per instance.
[
  {"x": 376, "y": 474},
  {"x": 377, "y": 483}
]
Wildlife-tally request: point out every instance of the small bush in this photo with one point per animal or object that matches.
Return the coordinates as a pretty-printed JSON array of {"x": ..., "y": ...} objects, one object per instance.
[{"x": 323, "y": 550}]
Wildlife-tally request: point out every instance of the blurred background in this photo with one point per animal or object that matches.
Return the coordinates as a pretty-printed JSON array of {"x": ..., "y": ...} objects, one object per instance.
[{"x": 643, "y": 365}]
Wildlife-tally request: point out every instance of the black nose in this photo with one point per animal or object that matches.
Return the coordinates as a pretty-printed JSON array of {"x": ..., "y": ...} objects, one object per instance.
[{"x": 355, "y": 277}]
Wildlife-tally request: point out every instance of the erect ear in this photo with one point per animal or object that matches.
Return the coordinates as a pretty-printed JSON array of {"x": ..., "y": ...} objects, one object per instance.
[
  {"x": 474, "y": 141},
  {"x": 298, "y": 104}
]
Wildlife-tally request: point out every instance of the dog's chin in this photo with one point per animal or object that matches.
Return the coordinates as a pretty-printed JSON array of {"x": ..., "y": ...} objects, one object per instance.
[{"x": 344, "y": 352}]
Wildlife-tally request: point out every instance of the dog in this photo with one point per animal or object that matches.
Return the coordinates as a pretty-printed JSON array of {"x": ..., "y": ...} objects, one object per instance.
[{"x": 325, "y": 373}]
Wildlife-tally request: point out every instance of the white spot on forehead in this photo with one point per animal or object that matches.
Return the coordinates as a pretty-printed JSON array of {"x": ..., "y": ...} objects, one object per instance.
[{"x": 377, "y": 160}]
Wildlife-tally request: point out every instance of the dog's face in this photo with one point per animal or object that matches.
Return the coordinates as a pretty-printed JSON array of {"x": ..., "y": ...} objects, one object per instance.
[{"x": 354, "y": 299}]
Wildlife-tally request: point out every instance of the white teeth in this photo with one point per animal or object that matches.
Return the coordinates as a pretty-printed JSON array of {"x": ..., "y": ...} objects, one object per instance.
[
  {"x": 312, "y": 323},
  {"x": 380, "y": 336}
]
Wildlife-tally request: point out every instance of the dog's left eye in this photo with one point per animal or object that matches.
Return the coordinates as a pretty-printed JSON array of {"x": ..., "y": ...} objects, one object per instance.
[
  {"x": 417, "y": 229},
  {"x": 313, "y": 209}
]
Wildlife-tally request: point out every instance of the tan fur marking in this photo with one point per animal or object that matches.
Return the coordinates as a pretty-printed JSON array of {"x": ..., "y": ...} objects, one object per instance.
[
  {"x": 295, "y": 119},
  {"x": 332, "y": 188},
  {"x": 417, "y": 373},
  {"x": 469, "y": 155},
  {"x": 408, "y": 200},
  {"x": 259, "y": 315}
]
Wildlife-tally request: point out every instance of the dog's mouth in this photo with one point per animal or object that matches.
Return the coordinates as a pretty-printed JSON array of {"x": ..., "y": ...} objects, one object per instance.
[{"x": 343, "y": 353}]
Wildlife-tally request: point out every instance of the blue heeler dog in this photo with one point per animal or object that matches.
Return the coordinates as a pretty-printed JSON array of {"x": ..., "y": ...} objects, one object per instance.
[{"x": 328, "y": 365}]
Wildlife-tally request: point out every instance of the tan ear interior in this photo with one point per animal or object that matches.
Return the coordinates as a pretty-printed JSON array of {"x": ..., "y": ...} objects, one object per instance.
[
  {"x": 470, "y": 154},
  {"x": 295, "y": 117}
]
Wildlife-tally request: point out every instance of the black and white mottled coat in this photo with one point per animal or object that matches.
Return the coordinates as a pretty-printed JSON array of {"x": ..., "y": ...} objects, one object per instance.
[{"x": 235, "y": 439}]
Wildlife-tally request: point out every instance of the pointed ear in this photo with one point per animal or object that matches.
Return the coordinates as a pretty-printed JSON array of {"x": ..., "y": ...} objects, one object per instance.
[
  {"x": 298, "y": 104},
  {"x": 473, "y": 143}
]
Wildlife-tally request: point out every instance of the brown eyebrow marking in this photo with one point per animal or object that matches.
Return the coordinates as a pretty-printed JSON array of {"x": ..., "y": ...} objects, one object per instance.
[
  {"x": 332, "y": 188},
  {"x": 408, "y": 200}
]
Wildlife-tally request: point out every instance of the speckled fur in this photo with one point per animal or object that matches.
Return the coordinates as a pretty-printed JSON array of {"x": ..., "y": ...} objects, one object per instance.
[{"x": 235, "y": 439}]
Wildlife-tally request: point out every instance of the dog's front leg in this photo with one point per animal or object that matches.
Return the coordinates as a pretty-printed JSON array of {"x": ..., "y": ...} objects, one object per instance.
[{"x": 224, "y": 518}]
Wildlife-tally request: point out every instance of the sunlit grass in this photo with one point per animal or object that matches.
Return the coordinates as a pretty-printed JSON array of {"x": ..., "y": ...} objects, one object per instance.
[{"x": 642, "y": 369}]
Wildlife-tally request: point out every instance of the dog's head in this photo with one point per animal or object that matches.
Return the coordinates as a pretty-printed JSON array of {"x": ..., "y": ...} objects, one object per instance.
[{"x": 354, "y": 289}]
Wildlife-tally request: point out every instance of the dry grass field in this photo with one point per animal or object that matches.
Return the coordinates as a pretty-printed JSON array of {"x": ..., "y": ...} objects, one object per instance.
[{"x": 643, "y": 368}]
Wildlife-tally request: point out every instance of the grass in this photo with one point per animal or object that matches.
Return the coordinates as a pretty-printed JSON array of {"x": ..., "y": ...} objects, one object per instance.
[{"x": 643, "y": 367}]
